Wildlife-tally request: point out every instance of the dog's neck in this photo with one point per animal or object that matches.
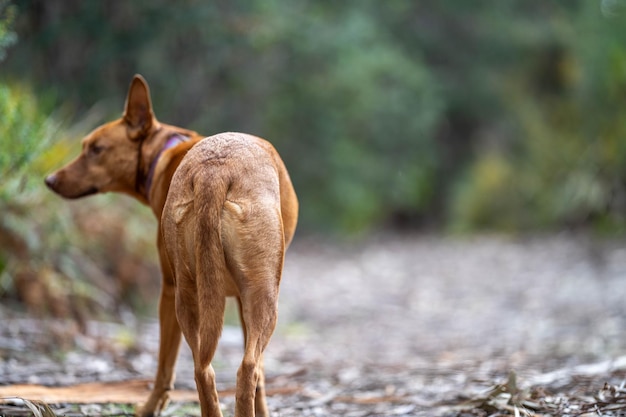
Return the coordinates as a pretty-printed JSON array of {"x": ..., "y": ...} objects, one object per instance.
[{"x": 173, "y": 140}]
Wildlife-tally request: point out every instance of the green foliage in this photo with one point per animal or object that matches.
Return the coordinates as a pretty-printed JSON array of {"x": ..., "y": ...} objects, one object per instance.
[
  {"x": 475, "y": 114},
  {"x": 491, "y": 176},
  {"x": 24, "y": 132},
  {"x": 7, "y": 36},
  {"x": 352, "y": 112},
  {"x": 361, "y": 137},
  {"x": 567, "y": 165},
  {"x": 48, "y": 257}
]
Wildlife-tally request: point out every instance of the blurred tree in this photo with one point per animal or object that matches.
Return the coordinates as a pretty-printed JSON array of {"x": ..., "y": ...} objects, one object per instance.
[
  {"x": 352, "y": 113},
  {"x": 566, "y": 166},
  {"x": 385, "y": 112},
  {"x": 7, "y": 36}
]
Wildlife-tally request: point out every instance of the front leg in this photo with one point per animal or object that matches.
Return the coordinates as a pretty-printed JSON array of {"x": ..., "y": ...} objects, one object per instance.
[
  {"x": 170, "y": 339},
  {"x": 169, "y": 343}
]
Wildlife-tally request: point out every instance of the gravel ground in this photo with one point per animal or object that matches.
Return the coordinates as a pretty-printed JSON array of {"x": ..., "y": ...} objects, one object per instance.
[{"x": 394, "y": 325}]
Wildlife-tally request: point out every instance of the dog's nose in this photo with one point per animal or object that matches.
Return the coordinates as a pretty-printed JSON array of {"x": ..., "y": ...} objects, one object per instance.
[{"x": 51, "y": 181}]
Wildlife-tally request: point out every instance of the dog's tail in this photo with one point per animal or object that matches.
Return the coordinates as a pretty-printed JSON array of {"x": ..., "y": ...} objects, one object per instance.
[{"x": 210, "y": 259}]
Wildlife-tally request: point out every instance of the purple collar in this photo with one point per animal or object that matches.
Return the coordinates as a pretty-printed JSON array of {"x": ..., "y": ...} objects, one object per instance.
[{"x": 172, "y": 141}]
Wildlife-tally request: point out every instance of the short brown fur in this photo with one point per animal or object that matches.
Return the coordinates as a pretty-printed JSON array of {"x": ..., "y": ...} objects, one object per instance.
[{"x": 227, "y": 212}]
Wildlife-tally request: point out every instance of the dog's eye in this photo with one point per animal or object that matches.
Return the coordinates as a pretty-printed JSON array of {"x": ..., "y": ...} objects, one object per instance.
[{"x": 95, "y": 149}]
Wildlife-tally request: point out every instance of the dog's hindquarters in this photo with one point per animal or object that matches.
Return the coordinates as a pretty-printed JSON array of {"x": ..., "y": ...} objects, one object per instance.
[{"x": 224, "y": 232}]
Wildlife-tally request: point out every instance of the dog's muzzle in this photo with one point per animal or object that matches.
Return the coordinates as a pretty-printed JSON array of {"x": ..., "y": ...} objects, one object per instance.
[{"x": 52, "y": 181}]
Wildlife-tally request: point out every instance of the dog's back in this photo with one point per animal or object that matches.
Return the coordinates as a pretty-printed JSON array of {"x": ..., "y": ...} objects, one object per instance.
[{"x": 232, "y": 191}]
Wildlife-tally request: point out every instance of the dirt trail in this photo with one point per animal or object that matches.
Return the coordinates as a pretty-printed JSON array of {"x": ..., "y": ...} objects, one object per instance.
[{"x": 395, "y": 326}]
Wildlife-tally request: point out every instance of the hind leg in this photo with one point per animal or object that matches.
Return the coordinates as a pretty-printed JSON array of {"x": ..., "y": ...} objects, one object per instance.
[
  {"x": 201, "y": 325},
  {"x": 254, "y": 247},
  {"x": 260, "y": 402},
  {"x": 260, "y": 313}
]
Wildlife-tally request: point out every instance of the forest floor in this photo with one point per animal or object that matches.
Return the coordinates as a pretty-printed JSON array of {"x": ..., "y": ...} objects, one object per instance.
[{"x": 391, "y": 326}]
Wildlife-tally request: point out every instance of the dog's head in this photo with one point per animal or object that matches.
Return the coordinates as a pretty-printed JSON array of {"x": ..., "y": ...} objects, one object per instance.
[{"x": 110, "y": 159}]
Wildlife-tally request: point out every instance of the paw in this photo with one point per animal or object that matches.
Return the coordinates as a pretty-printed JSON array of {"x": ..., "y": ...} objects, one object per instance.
[{"x": 153, "y": 407}]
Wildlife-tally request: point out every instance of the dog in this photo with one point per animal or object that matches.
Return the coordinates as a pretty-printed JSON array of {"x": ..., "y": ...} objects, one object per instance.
[{"x": 227, "y": 211}]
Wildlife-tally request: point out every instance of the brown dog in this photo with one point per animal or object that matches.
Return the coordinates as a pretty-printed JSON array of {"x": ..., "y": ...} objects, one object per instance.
[{"x": 227, "y": 211}]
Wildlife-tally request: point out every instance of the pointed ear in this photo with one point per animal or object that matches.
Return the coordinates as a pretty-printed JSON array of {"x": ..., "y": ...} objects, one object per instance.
[{"x": 138, "y": 109}]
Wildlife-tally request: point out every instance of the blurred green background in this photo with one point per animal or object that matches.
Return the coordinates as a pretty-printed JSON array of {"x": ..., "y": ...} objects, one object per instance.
[{"x": 440, "y": 115}]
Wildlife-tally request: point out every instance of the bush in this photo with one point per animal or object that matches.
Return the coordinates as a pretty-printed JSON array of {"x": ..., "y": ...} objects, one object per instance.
[
  {"x": 58, "y": 258},
  {"x": 563, "y": 163}
]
